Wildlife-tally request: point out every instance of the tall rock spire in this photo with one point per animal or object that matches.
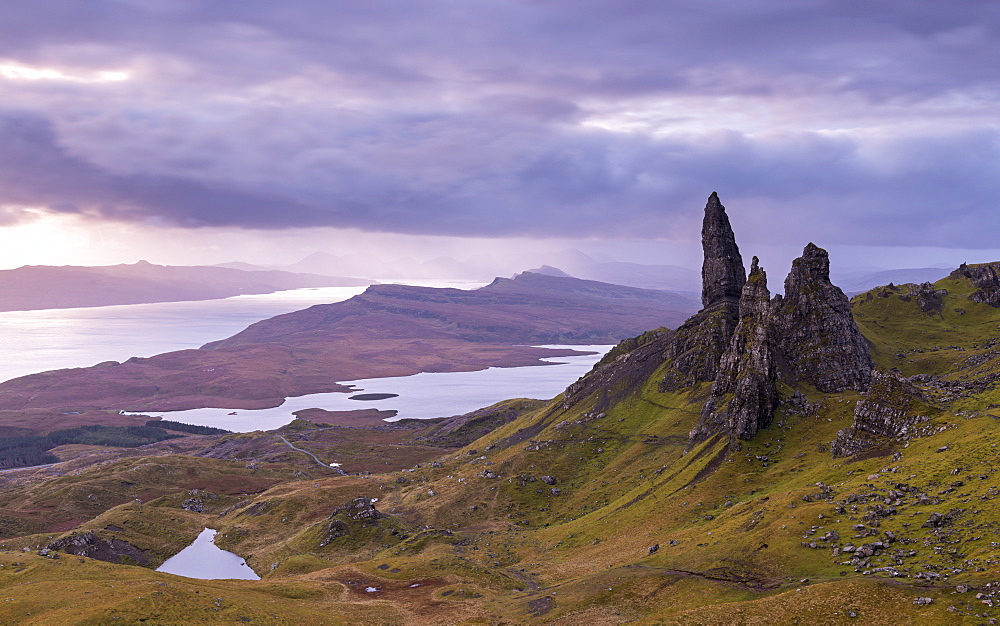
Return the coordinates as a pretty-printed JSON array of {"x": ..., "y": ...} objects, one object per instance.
[
  {"x": 722, "y": 272},
  {"x": 700, "y": 342}
]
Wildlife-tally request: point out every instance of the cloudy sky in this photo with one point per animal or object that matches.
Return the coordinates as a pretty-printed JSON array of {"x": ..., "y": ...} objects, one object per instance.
[{"x": 255, "y": 130}]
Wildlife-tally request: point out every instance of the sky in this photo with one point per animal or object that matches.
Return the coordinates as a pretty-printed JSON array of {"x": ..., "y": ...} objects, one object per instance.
[{"x": 187, "y": 131}]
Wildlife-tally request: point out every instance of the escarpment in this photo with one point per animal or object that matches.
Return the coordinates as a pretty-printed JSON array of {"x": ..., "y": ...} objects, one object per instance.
[{"x": 986, "y": 278}]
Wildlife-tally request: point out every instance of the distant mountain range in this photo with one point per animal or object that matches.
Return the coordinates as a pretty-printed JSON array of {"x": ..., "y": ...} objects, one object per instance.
[
  {"x": 568, "y": 262},
  {"x": 35, "y": 287},
  {"x": 571, "y": 262}
]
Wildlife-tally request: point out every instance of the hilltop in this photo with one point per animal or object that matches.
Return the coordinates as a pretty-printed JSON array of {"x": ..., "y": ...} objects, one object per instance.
[{"x": 802, "y": 459}]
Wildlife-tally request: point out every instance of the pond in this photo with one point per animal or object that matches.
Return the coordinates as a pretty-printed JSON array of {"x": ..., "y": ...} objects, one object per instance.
[{"x": 203, "y": 559}]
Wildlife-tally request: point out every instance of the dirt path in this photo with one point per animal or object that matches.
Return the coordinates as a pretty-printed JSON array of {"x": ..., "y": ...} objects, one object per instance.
[{"x": 315, "y": 458}]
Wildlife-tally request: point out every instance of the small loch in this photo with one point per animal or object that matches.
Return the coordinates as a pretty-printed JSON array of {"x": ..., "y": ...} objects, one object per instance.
[{"x": 205, "y": 560}]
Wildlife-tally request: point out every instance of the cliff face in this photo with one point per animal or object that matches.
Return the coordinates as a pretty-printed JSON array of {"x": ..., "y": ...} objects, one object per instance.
[
  {"x": 816, "y": 333},
  {"x": 745, "y": 393}
]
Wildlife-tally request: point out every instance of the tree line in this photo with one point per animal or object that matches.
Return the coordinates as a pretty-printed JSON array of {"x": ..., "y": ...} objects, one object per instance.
[{"x": 27, "y": 450}]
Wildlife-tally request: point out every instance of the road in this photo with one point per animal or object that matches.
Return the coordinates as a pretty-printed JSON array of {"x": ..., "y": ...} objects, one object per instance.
[{"x": 315, "y": 458}]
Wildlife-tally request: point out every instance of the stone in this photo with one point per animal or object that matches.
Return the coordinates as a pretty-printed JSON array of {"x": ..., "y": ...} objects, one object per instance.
[
  {"x": 816, "y": 332},
  {"x": 986, "y": 278},
  {"x": 744, "y": 394},
  {"x": 887, "y": 410},
  {"x": 359, "y": 509},
  {"x": 722, "y": 272},
  {"x": 697, "y": 346},
  {"x": 927, "y": 298}
]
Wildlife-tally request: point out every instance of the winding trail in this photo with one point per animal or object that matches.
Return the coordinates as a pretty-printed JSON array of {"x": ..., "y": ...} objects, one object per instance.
[{"x": 315, "y": 458}]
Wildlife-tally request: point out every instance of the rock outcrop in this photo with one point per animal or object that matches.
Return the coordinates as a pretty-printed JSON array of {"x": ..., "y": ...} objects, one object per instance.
[
  {"x": 986, "y": 278},
  {"x": 90, "y": 545},
  {"x": 742, "y": 341},
  {"x": 745, "y": 393},
  {"x": 698, "y": 345},
  {"x": 817, "y": 335},
  {"x": 351, "y": 517},
  {"x": 893, "y": 408}
]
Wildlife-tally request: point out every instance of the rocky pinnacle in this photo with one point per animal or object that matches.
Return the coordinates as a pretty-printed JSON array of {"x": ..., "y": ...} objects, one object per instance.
[
  {"x": 817, "y": 334},
  {"x": 722, "y": 272},
  {"x": 744, "y": 394}
]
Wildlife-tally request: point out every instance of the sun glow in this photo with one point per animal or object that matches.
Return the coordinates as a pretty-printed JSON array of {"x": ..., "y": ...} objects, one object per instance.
[{"x": 14, "y": 71}]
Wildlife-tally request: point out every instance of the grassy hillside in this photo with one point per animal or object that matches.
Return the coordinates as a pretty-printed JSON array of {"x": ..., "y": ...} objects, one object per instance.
[{"x": 590, "y": 511}]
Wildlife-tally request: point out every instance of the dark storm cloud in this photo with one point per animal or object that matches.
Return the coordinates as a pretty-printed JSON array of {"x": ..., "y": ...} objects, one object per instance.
[{"x": 864, "y": 122}]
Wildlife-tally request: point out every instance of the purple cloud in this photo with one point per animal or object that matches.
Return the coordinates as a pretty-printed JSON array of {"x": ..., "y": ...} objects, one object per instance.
[{"x": 832, "y": 121}]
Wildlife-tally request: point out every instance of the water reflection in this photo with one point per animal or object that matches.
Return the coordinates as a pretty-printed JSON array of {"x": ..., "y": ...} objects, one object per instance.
[
  {"x": 36, "y": 341},
  {"x": 203, "y": 559},
  {"x": 420, "y": 396}
]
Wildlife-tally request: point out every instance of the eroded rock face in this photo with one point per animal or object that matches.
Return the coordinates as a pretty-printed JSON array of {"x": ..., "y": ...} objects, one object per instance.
[
  {"x": 722, "y": 272},
  {"x": 90, "y": 545},
  {"x": 745, "y": 393},
  {"x": 698, "y": 345},
  {"x": 816, "y": 334},
  {"x": 986, "y": 278},
  {"x": 890, "y": 409}
]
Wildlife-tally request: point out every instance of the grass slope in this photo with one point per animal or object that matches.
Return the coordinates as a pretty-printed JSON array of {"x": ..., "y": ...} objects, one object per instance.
[{"x": 594, "y": 511}]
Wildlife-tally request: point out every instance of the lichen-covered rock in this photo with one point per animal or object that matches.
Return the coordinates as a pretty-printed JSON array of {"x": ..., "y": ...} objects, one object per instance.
[
  {"x": 698, "y": 345},
  {"x": 359, "y": 509},
  {"x": 90, "y": 545},
  {"x": 891, "y": 409},
  {"x": 986, "y": 278},
  {"x": 816, "y": 333},
  {"x": 745, "y": 393},
  {"x": 928, "y": 299},
  {"x": 357, "y": 513}
]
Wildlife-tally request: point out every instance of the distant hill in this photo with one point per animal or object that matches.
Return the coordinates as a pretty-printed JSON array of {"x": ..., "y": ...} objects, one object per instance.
[
  {"x": 389, "y": 330},
  {"x": 652, "y": 276},
  {"x": 856, "y": 283},
  {"x": 35, "y": 287}
]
